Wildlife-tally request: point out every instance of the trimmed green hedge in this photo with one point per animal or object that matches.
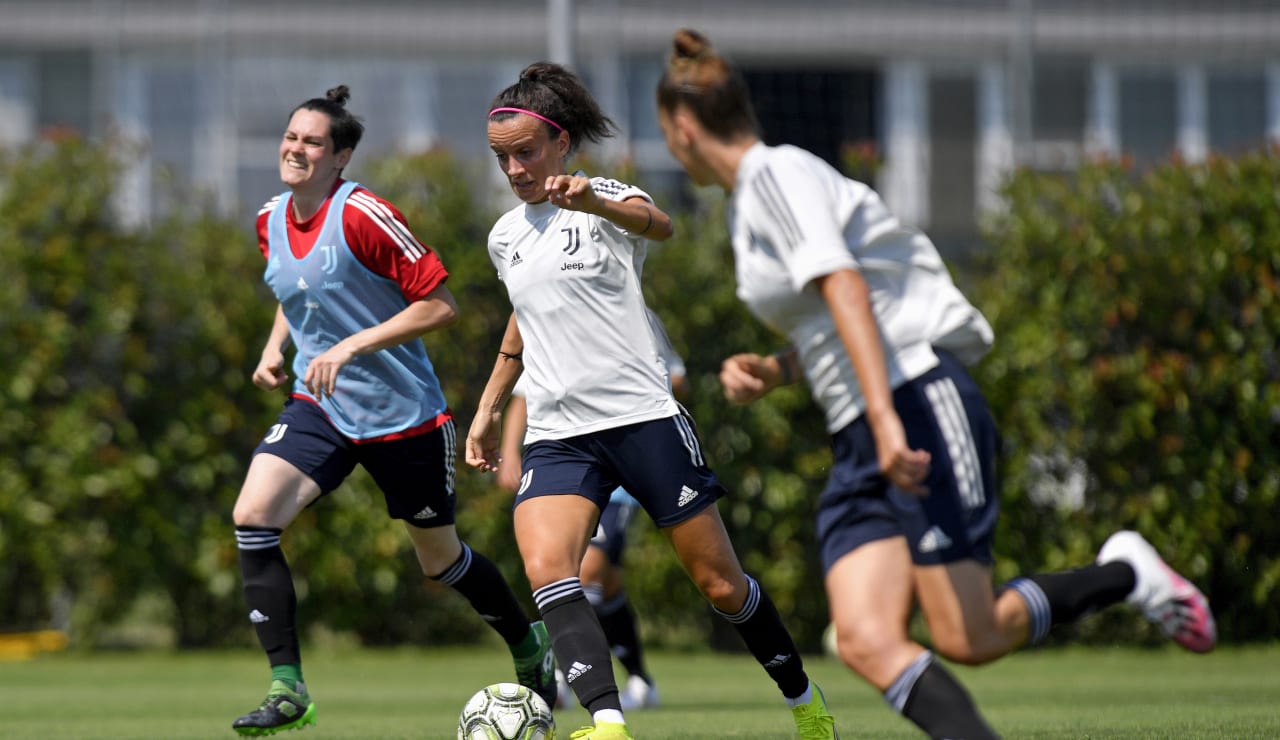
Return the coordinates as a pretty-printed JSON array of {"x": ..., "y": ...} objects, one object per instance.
[
  {"x": 127, "y": 406},
  {"x": 1135, "y": 379},
  {"x": 1136, "y": 366}
]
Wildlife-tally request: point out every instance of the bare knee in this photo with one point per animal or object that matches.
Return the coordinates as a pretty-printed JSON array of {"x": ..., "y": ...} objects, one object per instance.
[
  {"x": 544, "y": 568},
  {"x": 251, "y": 511},
  {"x": 723, "y": 592},
  {"x": 437, "y": 549},
  {"x": 242, "y": 516},
  {"x": 871, "y": 648}
]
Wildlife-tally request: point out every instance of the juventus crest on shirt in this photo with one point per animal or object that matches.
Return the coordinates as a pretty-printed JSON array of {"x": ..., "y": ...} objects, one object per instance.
[{"x": 569, "y": 274}]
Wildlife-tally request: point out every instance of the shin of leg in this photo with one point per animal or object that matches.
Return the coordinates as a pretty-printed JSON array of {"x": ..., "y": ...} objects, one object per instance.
[
  {"x": 959, "y": 605},
  {"x": 938, "y": 704},
  {"x": 580, "y": 645},
  {"x": 602, "y": 582},
  {"x": 269, "y": 594},
  {"x": 599, "y": 572}
]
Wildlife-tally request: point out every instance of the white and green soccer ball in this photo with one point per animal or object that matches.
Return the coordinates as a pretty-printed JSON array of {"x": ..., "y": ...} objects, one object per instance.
[{"x": 506, "y": 711}]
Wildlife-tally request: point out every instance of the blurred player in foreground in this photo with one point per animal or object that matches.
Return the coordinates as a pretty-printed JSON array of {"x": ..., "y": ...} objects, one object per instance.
[
  {"x": 600, "y": 409},
  {"x": 882, "y": 336},
  {"x": 601, "y": 573},
  {"x": 356, "y": 291}
]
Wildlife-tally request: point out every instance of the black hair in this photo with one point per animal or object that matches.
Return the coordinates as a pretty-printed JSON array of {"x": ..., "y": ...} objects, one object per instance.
[
  {"x": 344, "y": 128},
  {"x": 555, "y": 93}
]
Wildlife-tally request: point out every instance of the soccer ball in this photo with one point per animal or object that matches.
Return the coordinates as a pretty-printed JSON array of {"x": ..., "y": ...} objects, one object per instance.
[{"x": 506, "y": 711}]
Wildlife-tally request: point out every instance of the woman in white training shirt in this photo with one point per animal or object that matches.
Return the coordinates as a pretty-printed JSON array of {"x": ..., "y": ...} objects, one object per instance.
[
  {"x": 600, "y": 409},
  {"x": 882, "y": 336}
]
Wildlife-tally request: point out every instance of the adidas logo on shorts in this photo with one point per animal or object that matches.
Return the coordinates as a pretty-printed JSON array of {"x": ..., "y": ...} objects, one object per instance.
[
  {"x": 687, "y": 494},
  {"x": 933, "y": 540}
]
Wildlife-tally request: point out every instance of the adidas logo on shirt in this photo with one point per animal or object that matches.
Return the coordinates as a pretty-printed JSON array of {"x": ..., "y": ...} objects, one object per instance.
[
  {"x": 258, "y": 617},
  {"x": 426, "y": 513},
  {"x": 302, "y": 284},
  {"x": 933, "y": 540},
  {"x": 575, "y": 670},
  {"x": 687, "y": 494},
  {"x": 515, "y": 259}
]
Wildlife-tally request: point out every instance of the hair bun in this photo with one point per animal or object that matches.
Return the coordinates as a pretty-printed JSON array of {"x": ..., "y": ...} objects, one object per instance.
[
  {"x": 539, "y": 72},
  {"x": 690, "y": 44},
  {"x": 339, "y": 94}
]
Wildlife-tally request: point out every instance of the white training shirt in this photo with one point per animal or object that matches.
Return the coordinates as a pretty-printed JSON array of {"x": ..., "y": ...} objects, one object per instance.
[
  {"x": 591, "y": 360},
  {"x": 666, "y": 350},
  {"x": 794, "y": 218}
]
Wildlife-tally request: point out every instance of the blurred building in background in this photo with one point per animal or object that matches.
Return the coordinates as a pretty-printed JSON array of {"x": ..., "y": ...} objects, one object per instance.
[{"x": 934, "y": 100}]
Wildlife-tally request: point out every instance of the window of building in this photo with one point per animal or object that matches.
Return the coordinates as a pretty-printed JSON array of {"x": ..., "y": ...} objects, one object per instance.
[
  {"x": 1148, "y": 116},
  {"x": 1059, "y": 102},
  {"x": 1237, "y": 111}
]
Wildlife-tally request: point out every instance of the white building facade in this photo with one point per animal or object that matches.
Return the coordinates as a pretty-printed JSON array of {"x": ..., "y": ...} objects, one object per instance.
[{"x": 950, "y": 95}]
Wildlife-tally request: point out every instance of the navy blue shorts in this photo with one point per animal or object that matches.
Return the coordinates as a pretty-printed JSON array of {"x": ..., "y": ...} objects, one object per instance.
[
  {"x": 659, "y": 462},
  {"x": 415, "y": 473},
  {"x": 611, "y": 532},
  {"x": 943, "y": 412}
]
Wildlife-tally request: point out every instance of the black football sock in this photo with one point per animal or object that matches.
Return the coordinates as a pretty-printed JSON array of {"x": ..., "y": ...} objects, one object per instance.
[
  {"x": 481, "y": 583},
  {"x": 619, "y": 622},
  {"x": 1065, "y": 596},
  {"x": 580, "y": 646},
  {"x": 928, "y": 695},
  {"x": 769, "y": 641},
  {"x": 269, "y": 594}
]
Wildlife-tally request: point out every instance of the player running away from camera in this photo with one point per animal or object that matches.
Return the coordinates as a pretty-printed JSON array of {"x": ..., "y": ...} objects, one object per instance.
[
  {"x": 602, "y": 573},
  {"x": 600, "y": 409},
  {"x": 356, "y": 291},
  {"x": 882, "y": 336}
]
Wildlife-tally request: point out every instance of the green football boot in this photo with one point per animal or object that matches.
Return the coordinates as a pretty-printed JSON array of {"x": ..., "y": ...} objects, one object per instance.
[
  {"x": 538, "y": 671},
  {"x": 283, "y": 709}
]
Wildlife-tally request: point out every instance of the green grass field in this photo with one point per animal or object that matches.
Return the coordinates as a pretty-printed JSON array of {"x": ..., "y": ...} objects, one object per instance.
[{"x": 411, "y": 694}]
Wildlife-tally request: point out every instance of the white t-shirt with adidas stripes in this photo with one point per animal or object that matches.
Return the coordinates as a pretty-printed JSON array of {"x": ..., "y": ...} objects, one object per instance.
[
  {"x": 794, "y": 218},
  {"x": 591, "y": 359}
]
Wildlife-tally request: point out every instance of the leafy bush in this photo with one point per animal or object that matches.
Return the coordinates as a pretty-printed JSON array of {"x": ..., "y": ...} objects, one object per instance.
[
  {"x": 127, "y": 404},
  {"x": 1134, "y": 377},
  {"x": 1136, "y": 318}
]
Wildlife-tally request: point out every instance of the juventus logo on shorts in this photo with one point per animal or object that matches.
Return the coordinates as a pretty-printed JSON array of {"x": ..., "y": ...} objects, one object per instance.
[
  {"x": 275, "y": 434},
  {"x": 525, "y": 480}
]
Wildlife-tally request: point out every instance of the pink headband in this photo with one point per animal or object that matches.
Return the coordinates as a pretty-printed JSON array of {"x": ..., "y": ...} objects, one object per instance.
[{"x": 527, "y": 113}]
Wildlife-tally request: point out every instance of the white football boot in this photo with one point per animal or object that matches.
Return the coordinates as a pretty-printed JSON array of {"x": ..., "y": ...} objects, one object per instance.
[
  {"x": 1164, "y": 597},
  {"x": 638, "y": 694}
]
